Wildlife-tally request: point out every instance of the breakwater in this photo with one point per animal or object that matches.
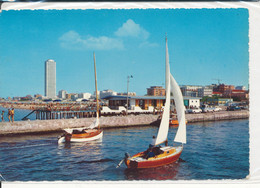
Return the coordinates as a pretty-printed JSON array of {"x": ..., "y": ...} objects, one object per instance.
[
  {"x": 216, "y": 116},
  {"x": 40, "y": 126}
]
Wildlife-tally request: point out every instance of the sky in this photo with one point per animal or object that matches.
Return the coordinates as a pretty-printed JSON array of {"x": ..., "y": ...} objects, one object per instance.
[{"x": 204, "y": 45}]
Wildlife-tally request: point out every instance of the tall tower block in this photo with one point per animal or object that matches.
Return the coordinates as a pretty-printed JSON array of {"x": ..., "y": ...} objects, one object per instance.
[{"x": 50, "y": 78}]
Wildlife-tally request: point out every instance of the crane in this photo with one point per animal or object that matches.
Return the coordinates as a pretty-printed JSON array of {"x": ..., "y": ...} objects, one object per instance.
[{"x": 217, "y": 80}]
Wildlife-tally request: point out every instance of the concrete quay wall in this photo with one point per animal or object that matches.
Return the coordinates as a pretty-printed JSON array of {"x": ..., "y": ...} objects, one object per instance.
[
  {"x": 216, "y": 116},
  {"x": 38, "y": 126}
]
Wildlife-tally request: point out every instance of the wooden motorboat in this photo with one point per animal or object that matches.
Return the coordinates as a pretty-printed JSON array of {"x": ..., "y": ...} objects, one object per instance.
[
  {"x": 83, "y": 135},
  {"x": 157, "y": 155}
]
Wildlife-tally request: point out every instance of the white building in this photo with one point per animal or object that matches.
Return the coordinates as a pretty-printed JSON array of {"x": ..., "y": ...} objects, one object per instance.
[
  {"x": 62, "y": 94},
  {"x": 192, "y": 102},
  {"x": 189, "y": 90},
  {"x": 125, "y": 94},
  {"x": 74, "y": 96},
  {"x": 93, "y": 96},
  {"x": 84, "y": 95},
  {"x": 205, "y": 91},
  {"x": 50, "y": 78},
  {"x": 106, "y": 93},
  {"x": 240, "y": 88}
]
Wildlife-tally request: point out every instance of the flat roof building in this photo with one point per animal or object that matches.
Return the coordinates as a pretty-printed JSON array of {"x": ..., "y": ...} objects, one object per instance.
[
  {"x": 145, "y": 101},
  {"x": 62, "y": 94},
  {"x": 156, "y": 91}
]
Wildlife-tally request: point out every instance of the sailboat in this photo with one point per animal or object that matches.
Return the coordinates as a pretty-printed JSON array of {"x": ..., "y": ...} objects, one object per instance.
[
  {"x": 157, "y": 155},
  {"x": 85, "y": 134}
]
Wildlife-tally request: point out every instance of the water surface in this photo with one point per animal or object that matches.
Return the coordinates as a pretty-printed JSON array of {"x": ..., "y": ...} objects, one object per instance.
[{"x": 214, "y": 150}]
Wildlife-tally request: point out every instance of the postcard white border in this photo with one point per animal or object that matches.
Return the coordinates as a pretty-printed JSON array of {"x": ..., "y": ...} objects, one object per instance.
[{"x": 253, "y": 179}]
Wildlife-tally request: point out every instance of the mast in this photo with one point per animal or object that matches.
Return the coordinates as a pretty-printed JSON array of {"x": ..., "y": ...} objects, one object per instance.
[
  {"x": 97, "y": 103},
  {"x": 164, "y": 125}
]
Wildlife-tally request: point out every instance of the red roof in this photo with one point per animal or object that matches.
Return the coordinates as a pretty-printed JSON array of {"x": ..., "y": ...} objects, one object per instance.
[
  {"x": 216, "y": 93},
  {"x": 238, "y": 90}
]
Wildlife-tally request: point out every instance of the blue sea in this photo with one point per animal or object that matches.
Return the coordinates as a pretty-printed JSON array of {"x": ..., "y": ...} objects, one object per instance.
[
  {"x": 19, "y": 114},
  {"x": 214, "y": 150}
]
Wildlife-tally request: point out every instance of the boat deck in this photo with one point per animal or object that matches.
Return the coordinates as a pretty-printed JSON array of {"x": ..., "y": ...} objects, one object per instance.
[{"x": 167, "y": 151}]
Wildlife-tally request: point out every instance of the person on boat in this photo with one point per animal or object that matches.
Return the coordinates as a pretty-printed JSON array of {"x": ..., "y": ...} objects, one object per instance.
[
  {"x": 152, "y": 144},
  {"x": 166, "y": 142},
  {"x": 149, "y": 153}
]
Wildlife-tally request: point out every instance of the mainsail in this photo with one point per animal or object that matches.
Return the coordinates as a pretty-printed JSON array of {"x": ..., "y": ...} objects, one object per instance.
[
  {"x": 164, "y": 125},
  {"x": 172, "y": 87},
  {"x": 95, "y": 123}
]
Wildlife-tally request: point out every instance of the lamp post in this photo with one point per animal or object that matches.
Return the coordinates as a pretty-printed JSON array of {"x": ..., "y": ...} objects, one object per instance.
[{"x": 128, "y": 78}]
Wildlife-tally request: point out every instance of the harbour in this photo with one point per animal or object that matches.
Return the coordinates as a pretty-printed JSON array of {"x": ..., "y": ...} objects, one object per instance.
[
  {"x": 214, "y": 150},
  {"x": 150, "y": 126}
]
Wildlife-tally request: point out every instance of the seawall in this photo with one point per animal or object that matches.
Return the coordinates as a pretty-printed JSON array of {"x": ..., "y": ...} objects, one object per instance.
[
  {"x": 216, "y": 116},
  {"x": 41, "y": 126}
]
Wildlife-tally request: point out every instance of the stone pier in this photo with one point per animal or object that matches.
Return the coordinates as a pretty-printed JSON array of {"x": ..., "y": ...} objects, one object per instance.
[{"x": 55, "y": 125}]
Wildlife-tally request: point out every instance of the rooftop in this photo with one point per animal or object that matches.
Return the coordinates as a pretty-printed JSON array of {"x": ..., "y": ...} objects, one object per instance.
[{"x": 117, "y": 97}]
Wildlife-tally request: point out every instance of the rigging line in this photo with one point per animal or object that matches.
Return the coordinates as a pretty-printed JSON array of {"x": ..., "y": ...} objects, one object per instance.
[{"x": 2, "y": 177}]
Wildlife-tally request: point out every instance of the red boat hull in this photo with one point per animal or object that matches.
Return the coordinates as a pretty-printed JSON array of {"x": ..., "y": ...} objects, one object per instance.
[{"x": 168, "y": 157}]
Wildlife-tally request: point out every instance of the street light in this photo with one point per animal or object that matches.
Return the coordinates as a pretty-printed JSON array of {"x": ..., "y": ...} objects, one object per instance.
[{"x": 128, "y": 78}]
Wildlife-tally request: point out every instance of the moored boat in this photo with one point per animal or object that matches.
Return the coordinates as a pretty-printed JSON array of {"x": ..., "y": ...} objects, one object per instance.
[
  {"x": 175, "y": 122},
  {"x": 85, "y": 134},
  {"x": 157, "y": 155}
]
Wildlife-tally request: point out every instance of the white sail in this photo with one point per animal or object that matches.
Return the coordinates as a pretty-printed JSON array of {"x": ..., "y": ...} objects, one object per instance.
[
  {"x": 164, "y": 125},
  {"x": 178, "y": 99},
  {"x": 95, "y": 123}
]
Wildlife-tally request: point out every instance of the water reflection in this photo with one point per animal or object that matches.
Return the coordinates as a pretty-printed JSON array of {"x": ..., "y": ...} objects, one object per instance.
[
  {"x": 92, "y": 148},
  {"x": 206, "y": 157},
  {"x": 33, "y": 137},
  {"x": 166, "y": 172}
]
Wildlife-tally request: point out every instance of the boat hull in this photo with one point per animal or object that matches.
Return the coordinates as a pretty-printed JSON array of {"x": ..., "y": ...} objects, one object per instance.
[
  {"x": 175, "y": 122},
  {"x": 87, "y": 136},
  {"x": 170, "y": 155}
]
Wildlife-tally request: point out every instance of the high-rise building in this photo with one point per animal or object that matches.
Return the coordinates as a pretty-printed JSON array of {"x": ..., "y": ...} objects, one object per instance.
[
  {"x": 50, "y": 78},
  {"x": 62, "y": 94}
]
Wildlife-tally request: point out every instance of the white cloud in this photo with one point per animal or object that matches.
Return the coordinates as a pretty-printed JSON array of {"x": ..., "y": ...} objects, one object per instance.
[
  {"x": 147, "y": 44},
  {"x": 73, "y": 40},
  {"x": 130, "y": 28}
]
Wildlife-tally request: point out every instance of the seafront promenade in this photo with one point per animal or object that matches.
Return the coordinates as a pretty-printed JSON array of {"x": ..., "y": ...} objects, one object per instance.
[{"x": 41, "y": 126}]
